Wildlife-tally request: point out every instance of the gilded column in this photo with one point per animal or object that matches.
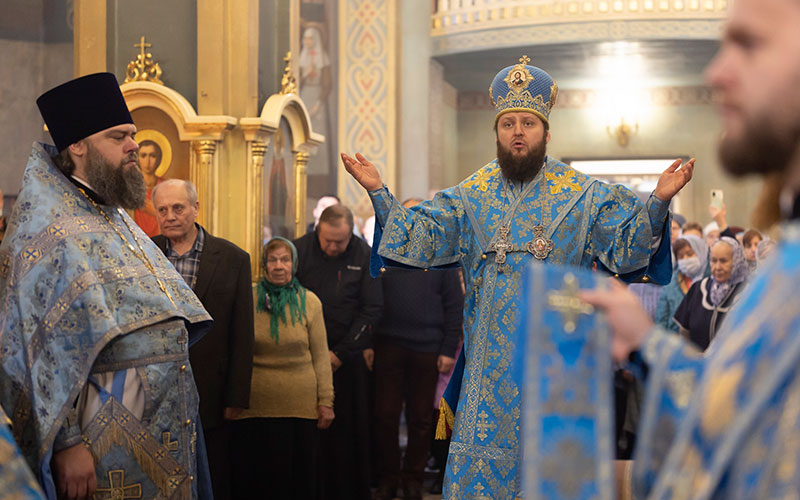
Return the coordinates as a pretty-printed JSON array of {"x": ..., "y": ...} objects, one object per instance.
[
  {"x": 89, "y": 46},
  {"x": 255, "y": 204},
  {"x": 300, "y": 164},
  {"x": 202, "y": 173}
]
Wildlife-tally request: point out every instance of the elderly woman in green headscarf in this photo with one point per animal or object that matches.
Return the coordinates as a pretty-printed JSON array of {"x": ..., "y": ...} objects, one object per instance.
[{"x": 292, "y": 386}]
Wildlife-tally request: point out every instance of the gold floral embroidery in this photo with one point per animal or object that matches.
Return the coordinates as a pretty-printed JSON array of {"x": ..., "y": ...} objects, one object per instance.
[
  {"x": 480, "y": 179},
  {"x": 559, "y": 183}
]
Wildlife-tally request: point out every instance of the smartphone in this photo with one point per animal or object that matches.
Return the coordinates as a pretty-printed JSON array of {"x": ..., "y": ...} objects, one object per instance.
[{"x": 716, "y": 198}]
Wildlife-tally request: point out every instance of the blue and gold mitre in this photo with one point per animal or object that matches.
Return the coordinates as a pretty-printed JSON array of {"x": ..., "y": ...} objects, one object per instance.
[{"x": 523, "y": 88}]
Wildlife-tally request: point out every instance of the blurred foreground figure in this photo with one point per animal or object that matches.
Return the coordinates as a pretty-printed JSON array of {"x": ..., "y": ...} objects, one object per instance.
[{"x": 726, "y": 425}]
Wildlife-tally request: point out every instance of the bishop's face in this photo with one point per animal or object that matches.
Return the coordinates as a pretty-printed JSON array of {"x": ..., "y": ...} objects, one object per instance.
[
  {"x": 757, "y": 78},
  {"x": 521, "y": 145}
]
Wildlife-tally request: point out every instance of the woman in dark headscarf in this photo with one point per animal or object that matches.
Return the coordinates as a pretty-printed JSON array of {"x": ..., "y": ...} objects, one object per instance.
[
  {"x": 292, "y": 386},
  {"x": 701, "y": 313}
]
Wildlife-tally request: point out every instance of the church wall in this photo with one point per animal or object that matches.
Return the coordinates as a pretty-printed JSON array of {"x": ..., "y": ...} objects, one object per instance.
[
  {"x": 172, "y": 29},
  {"x": 689, "y": 131},
  {"x": 36, "y": 55},
  {"x": 272, "y": 46}
]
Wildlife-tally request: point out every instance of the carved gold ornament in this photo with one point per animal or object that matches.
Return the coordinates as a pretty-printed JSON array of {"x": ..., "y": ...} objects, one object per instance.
[
  {"x": 288, "y": 82},
  {"x": 143, "y": 69}
]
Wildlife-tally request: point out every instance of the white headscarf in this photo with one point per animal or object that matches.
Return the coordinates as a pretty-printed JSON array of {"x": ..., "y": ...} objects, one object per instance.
[
  {"x": 739, "y": 271},
  {"x": 700, "y": 249},
  {"x": 315, "y": 57}
]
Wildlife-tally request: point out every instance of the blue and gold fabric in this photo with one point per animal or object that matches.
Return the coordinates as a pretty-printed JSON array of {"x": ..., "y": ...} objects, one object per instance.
[
  {"x": 16, "y": 479},
  {"x": 568, "y": 409},
  {"x": 83, "y": 293},
  {"x": 727, "y": 425},
  {"x": 522, "y": 87},
  {"x": 493, "y": 229}
]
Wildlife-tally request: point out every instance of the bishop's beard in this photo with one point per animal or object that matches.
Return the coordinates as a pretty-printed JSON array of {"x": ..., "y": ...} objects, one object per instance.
[
  {"x": 522, "y": 168},
  {"x": 117, "y": 185}
]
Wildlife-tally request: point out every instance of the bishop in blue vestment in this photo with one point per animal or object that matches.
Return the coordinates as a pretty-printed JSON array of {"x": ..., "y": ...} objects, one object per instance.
[{"x": 522, "y": 206}]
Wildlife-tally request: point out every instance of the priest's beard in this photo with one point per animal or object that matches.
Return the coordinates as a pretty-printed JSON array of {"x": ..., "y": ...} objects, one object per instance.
[
  {"x": 522, "y": 168},
  {"x": 766, "y": 146},
  {"x": 117, "y": 185}
]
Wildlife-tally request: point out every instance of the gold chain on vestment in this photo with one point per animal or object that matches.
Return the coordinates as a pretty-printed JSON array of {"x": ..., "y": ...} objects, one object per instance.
[{"x": 140, "y": 255}]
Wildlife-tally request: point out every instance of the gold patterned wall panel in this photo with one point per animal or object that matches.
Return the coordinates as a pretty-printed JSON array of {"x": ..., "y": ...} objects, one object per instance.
[{"x": 367, "y": 98}]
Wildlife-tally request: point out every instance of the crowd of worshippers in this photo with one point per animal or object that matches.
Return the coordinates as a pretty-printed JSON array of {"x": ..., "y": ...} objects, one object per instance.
[
  {"x": 323, "y": 330},
  {"x": 326, "y": 330},
  {"x": 712, "y": 265}
]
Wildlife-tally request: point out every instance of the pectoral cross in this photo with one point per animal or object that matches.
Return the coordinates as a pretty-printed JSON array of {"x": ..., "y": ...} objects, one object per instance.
[
  {"x": 567, "y": 302},
  {"x": 501, "y": 245},
  {"x": 540, "y": 246}
]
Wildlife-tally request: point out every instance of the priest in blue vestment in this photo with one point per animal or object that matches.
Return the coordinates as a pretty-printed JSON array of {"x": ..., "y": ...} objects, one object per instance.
[
  {"x": 522, "y": 206},
  {"x": 95, "y": 323},
  {"x": 726, "y": 424}
]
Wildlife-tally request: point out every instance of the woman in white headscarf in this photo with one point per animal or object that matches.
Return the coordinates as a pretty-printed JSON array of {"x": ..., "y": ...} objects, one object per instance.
[
  {"x": 691, "y": 257},
  {"x": 700, "y": 314}
]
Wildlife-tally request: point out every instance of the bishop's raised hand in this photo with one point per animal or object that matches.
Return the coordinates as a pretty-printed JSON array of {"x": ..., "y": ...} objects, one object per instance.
[
  {"x": 363, "y": 171},
  {"x": 673, "y": 179}
]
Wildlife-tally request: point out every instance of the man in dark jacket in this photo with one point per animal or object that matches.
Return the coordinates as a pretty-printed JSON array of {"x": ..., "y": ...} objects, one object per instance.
[
  {"x": 334, "y": 264},
  {"x": 416, "y": 339},
  {"x": 219, "y": 273}
]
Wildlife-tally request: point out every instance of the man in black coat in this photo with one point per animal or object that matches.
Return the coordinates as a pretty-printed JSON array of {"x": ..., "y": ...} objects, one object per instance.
[
  {"x": 334, "y": 264},
  {"x": 219, "y": 273}
]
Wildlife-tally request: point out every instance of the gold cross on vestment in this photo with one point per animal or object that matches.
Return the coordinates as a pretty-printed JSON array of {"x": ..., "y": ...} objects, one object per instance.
[
  {"x": 116, "y": 488},
  {"x": 484, "y": 425},
  {"x": 567, "y": 302},
  {"x": 183, "y": 339},
  {"x": 501, "y": 246},
  {"x": 170, "y": 445},
  {"x": 571, "y": 454}
]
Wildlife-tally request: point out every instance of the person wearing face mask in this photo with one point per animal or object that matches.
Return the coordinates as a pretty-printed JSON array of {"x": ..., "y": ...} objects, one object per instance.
[
  {"x": 691, "y": 257},
  {"x": 702, "y": 311},
  {"x": 291, "y": 392}
]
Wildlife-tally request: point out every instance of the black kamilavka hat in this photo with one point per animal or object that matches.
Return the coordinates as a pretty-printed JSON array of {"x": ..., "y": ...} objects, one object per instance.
[{"x": 82, "y": 107}]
